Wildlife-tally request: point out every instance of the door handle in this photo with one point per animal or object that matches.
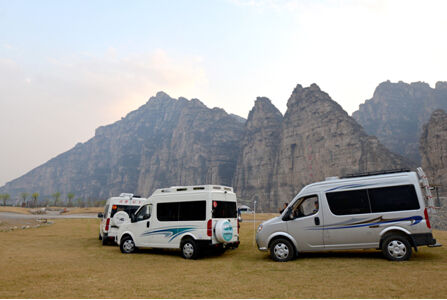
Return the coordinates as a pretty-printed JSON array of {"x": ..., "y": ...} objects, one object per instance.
[
  {"x": 317, "y": 220},
  {"x": 148, "y": 224}
]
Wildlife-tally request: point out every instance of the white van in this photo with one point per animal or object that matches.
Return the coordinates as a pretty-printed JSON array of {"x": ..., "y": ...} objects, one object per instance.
[
  {"x": 385, "y": 211},
  {"x": 117, "y": 211},
  {"x": 189, "y": 218}
]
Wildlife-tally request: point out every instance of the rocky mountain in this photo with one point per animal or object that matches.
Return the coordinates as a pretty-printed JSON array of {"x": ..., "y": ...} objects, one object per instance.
[
  {"x": 259, "y": 147},
  {"x": 434, "y": 150},
  {"x": 315, "y": 139},
  {"x": 397, "y": 111},
  {"x": 165, "y": 142}
]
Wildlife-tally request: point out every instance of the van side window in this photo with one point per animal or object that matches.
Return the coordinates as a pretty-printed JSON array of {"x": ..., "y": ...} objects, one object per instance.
[
  {"x": 348, "y": 202},
  {"x": 192, "y": 211},
  {"x": 393, "y": 198},
  {"x": 168, "y": 211},
  {"x": 144, "y": 213},
  {"x": 305, "y": 206}
]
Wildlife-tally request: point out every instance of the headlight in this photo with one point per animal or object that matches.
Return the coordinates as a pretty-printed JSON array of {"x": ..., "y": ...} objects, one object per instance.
[{"x": 260, "y": 227}]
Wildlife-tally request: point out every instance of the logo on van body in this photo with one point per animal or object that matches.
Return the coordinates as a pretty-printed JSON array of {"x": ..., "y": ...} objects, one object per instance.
[
  {"x": 171, "y": 232},
  {"x": 369, "y": 222}
]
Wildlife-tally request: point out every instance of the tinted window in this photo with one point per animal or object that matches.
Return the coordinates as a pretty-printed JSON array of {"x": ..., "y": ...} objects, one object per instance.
[
  {"x": 348, "y": 202},
  {"x": 167, "y": 211},
  {"x": 192, "y": 211},
  {"x": 224, "y": 209},
  {"x": 393, "y": 198},
  {"x": 129, "y": 209}
]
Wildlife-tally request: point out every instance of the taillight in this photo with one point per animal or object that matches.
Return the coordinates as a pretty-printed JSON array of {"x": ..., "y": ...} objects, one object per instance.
[
  {"x": 107, "y": 224},
  {"x": 209, "y": 227},
  {"x": 427, "y": 220}
]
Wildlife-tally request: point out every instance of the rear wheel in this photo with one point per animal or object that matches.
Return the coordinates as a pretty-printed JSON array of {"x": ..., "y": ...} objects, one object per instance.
[
  {"x": 281, "y": 250},
  {"x": 189, "y": 248},
  {"x": 396, "y": 248},
  {"x": 100, "y": 237},
  {"x": 127, "y": 245}
]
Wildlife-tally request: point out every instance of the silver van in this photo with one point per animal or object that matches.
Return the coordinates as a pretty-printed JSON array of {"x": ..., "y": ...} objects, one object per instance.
[{"x": 384, "y": 211}]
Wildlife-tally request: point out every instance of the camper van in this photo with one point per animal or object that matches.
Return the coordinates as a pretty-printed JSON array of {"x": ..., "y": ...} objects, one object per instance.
[
  {"x": 383, "y": 210},
  {"x": 189, "y": 218},
  {"x": 116, "y": 212}
]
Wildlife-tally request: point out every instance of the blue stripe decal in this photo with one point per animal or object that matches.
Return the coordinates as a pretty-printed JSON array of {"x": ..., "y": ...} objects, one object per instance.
[
  {"x": 349, "y": 186},
  {"x": 171, "y": 232},
  {"x": 414, "y": 220}
]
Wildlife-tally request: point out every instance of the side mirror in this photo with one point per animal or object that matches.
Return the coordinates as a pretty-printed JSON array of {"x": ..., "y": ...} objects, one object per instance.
[
  {"x": 100, "y": 215},
  {"x": 132, "y": 218}
]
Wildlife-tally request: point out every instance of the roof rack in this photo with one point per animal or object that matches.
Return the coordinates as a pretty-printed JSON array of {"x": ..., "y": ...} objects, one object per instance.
[{"x": 363, "y": 174}]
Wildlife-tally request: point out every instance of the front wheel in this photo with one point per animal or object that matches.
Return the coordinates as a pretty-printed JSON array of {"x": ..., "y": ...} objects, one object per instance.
[
  {"x": 281, "y": 250},
  {"x": 189, "y": 248},
  {"x": 396, "y": 248},
  {"x": 127, "y": 245}
]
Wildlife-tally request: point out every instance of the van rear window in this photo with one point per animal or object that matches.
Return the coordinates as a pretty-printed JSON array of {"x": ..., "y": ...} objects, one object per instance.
[
  {"x": 224, "y": 209},
  {"x": 393, "y": 198},
  {"x": 129, "y": 209}
]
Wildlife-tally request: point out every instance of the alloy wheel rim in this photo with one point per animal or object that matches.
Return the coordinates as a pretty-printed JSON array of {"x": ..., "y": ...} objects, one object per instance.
[
  {"x": 281, "y": 251},
  {"x": 397, "y": 249},
  {"x": 188, "y": 250},
  {"x": 128, "y": 246}
]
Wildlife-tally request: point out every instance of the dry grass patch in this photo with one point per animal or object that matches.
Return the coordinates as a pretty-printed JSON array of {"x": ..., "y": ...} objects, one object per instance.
[
  {"x": 84, "y": 210},
  {"x": 66, "y": 260},
  {"x": 13, "y": 209}
]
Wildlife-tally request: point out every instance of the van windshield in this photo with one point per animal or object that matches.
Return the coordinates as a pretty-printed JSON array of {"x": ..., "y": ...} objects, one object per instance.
[
  {"x": 129, "y": 209},
  {"x": 224, "y": 209}
]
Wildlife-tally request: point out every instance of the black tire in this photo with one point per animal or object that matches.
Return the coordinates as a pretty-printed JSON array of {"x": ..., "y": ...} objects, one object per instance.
[
  {"x": 105, "y": 241},
  {"x": 100, "y": 237},
  {"x": 127, "y": 245},
  {"x": 396, "y": 247},
  {"x": 189, "y": 249},
  {"x": 282, "y": 250}
]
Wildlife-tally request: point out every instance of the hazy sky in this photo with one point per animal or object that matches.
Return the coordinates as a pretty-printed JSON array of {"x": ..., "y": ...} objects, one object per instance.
[{"x": 67, "y": 67}]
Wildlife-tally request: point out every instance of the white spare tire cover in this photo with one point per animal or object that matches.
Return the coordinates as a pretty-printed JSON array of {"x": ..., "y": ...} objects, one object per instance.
[
  {"x": 120, "y": 218},
  {"x": 224, "y": 231}
]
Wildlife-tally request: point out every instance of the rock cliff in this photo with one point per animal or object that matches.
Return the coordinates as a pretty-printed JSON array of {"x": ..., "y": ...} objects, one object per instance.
[
  {"x": 397, "y": 111},
  {"x": 318, "y": 140},
  {"x": 434, "y": 150},
  {"x": 254, "y": 172},
  {"x": 165, "y": 142}
]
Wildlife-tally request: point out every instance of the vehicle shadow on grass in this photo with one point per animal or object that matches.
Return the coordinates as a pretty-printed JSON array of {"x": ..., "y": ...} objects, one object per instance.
[
  {"x": 356, "y": 254},
  {"x": 205, "y": 254}
]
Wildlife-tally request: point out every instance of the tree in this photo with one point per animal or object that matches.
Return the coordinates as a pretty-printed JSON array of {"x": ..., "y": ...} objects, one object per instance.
[
  {"x": 24, "y": 195},
  {"x": 80, "y": 202},
  {"x": 35, "y": 196},
  {"x": 56, "y": 197},
  {"x": 70, "y": 197},
  {"x": 5, "y": 198}
]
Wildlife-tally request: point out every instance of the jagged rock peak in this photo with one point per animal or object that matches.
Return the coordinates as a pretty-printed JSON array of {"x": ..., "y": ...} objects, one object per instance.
[
  {"x": 441, "y": 85},
  {"x": 438, "y": 114},
  {"x": 311, "y": 96}
]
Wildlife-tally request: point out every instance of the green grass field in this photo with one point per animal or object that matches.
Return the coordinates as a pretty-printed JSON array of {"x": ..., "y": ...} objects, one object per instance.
[{"x": 66, "y": 260}]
